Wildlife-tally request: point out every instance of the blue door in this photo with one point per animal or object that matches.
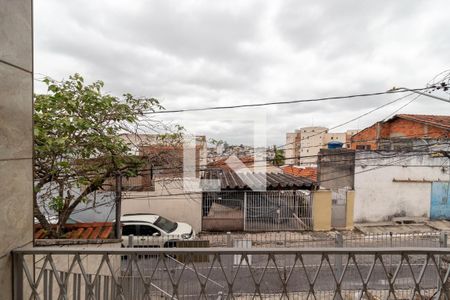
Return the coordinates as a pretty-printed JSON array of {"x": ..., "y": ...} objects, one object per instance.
[{"x": 440, "y": 201}]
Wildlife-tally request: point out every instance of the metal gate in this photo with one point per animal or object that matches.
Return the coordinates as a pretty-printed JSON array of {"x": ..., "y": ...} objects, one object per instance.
[
  {"x": 338, "y": 208},
  {"x": 277, "y": 210},
  {"x": 440, "y": 201},
  {"x": 257, "y": 211}
]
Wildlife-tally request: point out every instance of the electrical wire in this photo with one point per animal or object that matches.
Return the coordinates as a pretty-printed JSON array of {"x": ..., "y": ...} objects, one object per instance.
[{"x": 283, "y": 102}]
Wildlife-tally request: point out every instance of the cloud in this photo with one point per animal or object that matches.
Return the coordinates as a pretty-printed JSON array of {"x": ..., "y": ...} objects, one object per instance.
[{"x": 199, "y": 53}]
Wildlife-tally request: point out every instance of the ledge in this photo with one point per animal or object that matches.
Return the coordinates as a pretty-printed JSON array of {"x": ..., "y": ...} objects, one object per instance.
[{"x": 56, "y": 242}]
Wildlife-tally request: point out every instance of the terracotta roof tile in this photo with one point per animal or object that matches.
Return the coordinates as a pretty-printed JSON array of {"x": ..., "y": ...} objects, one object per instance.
[
  {"x": 308, "y": 172},
  {"x": 96, "y": 230}
]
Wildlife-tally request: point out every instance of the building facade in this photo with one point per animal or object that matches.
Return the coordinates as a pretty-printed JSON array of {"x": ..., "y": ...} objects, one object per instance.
[
  {"x": 291, "y": 148},
  {"x": 16, "y": 134},
  {"x": 303, "y": 146},
  {"x": 390, "y": 184},
  {"x": 402, "y": 132}
]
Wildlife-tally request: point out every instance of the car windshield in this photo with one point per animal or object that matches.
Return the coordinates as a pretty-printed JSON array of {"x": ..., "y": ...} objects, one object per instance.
[{"x": 166, "y": 225}]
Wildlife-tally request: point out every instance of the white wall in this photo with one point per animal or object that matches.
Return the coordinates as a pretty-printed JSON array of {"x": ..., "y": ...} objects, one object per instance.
[
  {"x": 378, "y": 197},
  {"x": 167, "y": 200}
]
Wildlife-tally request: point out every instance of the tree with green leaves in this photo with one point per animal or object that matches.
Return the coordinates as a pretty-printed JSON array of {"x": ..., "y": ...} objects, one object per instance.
[
  {"x": 278, "y": 159},
  {"x": 77, "y": 144}
]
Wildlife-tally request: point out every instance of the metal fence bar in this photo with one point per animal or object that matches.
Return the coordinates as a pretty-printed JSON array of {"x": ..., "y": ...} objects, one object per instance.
[
  {"x": 256, "y": 211},
  {"x": 278, "y": 272},
  {"x": 289, "y": 239}
]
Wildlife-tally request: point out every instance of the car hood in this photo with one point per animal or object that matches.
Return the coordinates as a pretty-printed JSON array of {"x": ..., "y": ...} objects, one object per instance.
[{"x": 182, "y": 228}]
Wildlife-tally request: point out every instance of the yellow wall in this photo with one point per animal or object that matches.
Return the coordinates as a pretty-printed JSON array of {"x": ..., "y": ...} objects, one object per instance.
[
  {"x": 321, "y": 210},
  {"x": 349, "y": 210}
]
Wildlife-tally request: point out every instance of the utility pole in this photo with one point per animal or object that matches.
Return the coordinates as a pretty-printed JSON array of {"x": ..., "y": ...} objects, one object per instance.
[{"x": 118, "y": 230}]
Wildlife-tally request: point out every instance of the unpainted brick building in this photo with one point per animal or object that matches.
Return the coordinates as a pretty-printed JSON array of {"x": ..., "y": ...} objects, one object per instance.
[{"x": 402, "y": 132}]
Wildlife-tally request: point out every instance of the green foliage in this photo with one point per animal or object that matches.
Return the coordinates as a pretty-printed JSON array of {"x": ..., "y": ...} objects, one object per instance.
[
  {"x": 57, "y": 203},
  {"x": 279, "y": 158},
  {"x": 77, "y": 139}
]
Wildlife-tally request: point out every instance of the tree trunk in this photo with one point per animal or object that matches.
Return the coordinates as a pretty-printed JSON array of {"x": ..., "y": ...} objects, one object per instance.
[{"x": 42, "y": 219}]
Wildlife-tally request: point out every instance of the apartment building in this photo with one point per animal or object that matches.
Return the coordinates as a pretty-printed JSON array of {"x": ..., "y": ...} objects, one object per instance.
[{"x": 303, "y": 145}]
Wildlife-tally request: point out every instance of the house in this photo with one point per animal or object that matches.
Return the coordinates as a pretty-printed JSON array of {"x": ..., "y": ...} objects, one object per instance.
[
  {"x": 391, "y": 184},
  {"x": 396, "y": 167},
  {"x": 284, "y": 204},
  {"x": 402, "y": 132}
]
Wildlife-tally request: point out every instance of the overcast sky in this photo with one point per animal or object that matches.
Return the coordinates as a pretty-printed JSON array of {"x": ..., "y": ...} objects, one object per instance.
[{"x": 208, "y": 53}]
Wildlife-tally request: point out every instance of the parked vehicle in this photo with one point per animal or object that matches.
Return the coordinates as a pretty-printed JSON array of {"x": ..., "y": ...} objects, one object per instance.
[{"x": 151, "y": 230}]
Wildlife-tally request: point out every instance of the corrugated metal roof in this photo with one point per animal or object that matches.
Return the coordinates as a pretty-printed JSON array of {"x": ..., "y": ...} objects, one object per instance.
[
  {"x": 230, "y": 180},
  {"x": 88, "y": 231}
]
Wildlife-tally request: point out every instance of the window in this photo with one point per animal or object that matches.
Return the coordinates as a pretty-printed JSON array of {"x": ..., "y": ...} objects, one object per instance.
[
  {"x": 148, "y": 230},
  {"x": 129, "y": 230},
  {"x": 363, "y": 147},
  {"x": 165, "y": 224}
]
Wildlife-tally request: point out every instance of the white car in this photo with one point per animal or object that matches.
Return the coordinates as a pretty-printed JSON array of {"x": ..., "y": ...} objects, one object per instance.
[{"x": 150, "y": 230}]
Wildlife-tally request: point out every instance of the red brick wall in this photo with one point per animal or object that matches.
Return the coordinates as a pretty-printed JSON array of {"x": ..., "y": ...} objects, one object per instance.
[
  {"x": 365, "y": 137},
  {"x": 406, "y": 128},
  {"x": 396, "y": 128}
]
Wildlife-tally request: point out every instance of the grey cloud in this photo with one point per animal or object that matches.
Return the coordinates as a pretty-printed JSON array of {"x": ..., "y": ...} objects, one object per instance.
[{"x": 208, "y": 53}]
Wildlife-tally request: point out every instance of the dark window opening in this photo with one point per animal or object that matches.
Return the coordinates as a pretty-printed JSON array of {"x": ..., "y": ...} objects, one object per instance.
[{"x": 363, "y": 147}]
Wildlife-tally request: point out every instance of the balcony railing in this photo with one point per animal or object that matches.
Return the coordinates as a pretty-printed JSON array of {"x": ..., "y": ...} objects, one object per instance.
[{"x": 232, "y": 273}]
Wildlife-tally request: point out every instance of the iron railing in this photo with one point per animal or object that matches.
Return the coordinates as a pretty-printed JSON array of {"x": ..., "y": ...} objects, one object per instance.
[
  {"x": 231, "y": 273},
  {"x": 290, "y": 239}
]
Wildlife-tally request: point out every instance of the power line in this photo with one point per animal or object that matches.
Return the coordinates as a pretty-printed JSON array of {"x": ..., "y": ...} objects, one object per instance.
[
  {"x": 401, "y": 107},
  {"x": 282, "y": 102},
  {"x": 355, "y": 118},
  {"x": 349, "y": 121}
]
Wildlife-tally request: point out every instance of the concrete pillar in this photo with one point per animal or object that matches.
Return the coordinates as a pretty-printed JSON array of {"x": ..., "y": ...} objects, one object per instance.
[
  {"x": 349, "y": 210},
  {"x": 16, "y": 185},
  {"x": 321, "y": 210}
]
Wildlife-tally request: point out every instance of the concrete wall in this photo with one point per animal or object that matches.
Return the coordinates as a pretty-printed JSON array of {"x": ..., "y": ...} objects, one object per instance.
[
  {"x": 335, "y": 168},
  {"x": 16, "y": 78},
  {"x": 386, "y": 187},
  {"x": 321, "y": 210},
  {"x": 167, "y": 200},
  {"x": 349, "y": 210}
]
